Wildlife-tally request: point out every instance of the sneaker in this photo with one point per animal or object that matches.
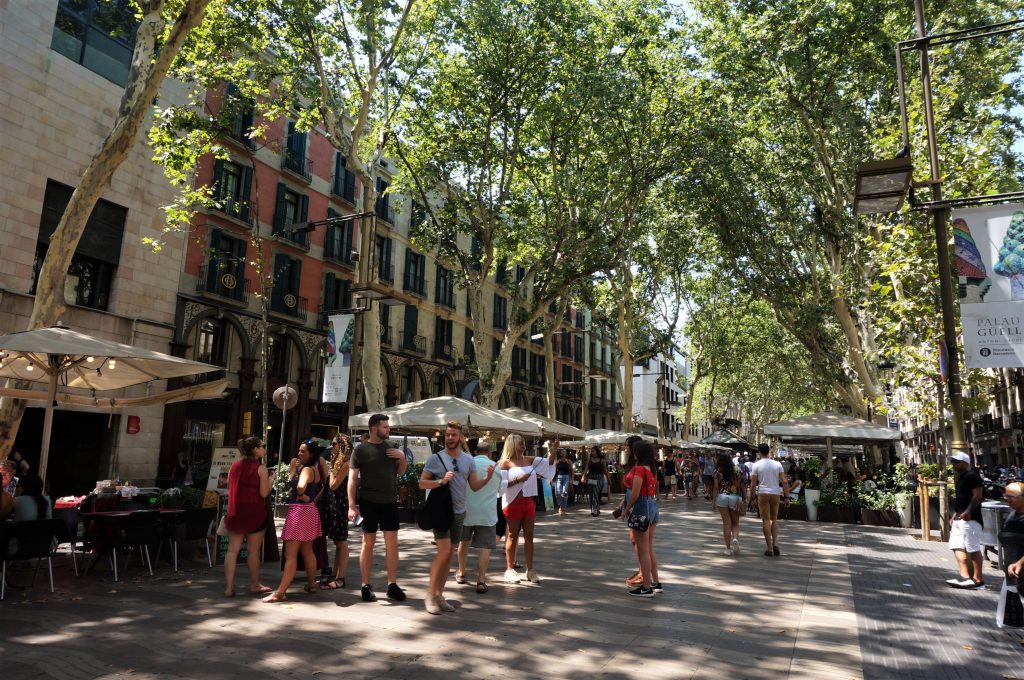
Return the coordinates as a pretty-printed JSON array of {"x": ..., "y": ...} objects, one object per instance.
[
  {"x": 367, "y": 593},
  {"x": 430, "y": 602},
  {"x": 531, "y": 576},
  {"x": 395, "y": 593},
  {"x": 953, "y": 582},
  {"x": 656, "y": 587},
  {"x": 511, "y": 576},
  {"x": 642, "y": 592},
  {"x": 735, "y": 546},
  {"x": 443, "y": 604},
  {"x": 971, "y": 584},
  {"x": 727, "y": 552}
]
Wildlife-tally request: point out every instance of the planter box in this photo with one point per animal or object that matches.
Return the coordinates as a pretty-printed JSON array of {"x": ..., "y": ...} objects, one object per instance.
[
  {"x": 838, "y": 514},
  {"x": 795, "y": 512},
  {"x": 879, "y": 518}
]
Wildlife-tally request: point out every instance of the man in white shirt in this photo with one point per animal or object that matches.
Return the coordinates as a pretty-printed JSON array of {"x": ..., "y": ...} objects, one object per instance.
[
  {"x": 772, "y": 486},
  {"x": 478, "y": 529}
]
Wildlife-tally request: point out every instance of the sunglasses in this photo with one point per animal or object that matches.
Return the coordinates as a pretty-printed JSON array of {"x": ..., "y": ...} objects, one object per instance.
[{"x": 455, "y": 466}]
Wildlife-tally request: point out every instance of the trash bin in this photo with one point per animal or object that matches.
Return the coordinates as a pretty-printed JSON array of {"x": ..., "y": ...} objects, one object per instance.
[{"x": 993, "y": 515}]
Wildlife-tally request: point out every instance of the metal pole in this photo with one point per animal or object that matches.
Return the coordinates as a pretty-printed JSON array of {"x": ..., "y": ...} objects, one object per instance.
[
  {"x": 51, "y": 397},
  {"x": 287, "y": 389},
  {"x": 959, "y": 442},
  {"x": 941, "y": 452}
]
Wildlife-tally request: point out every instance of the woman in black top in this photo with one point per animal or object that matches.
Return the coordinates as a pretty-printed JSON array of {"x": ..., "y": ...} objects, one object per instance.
[
  {"x": 595, "y": 471},
  {"x": 563, "y": 480}
]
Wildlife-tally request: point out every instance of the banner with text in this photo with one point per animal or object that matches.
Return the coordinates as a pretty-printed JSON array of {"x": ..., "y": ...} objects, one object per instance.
[
  {"x": 340, "y": 335},
  {"x": 988, "y": 243}
]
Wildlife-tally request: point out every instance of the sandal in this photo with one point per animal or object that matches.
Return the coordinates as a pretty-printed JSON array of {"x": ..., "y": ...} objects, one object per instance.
[
  {"x": 481, "y": 587},
  {"x": 229, "y": 593},
  {"x": 329, "y": 585},
  {"x": 261, "y": 590},
  {"x": 341, "y": 581},
  {"x": 275, "y": 597},
  {"x": 310, "y": 588},
  {"x": 460, "y": 578}
]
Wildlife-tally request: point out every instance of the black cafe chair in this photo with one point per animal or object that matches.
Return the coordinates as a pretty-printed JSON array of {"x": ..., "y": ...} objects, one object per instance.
[
  {"x": 137, "y": 530},
  {"x": 36, "y": 540},
  {"x": 70, "y": 517},
  {"x": 196, "y": 525}
]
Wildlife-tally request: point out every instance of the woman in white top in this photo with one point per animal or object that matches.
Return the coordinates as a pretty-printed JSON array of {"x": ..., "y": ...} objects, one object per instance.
[{"x": 519, "y": 474}]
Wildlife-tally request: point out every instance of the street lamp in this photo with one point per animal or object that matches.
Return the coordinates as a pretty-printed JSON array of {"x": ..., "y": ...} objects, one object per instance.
[{"x": 881, "y": 185}]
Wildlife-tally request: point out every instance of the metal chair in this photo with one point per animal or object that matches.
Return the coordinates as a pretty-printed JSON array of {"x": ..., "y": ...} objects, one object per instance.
[
  {"x": 137, "y": 530},
  {"x": 31, "y": 540},
  {"x": 70, "y": 517},
  {"x": 197, "y": 525}
]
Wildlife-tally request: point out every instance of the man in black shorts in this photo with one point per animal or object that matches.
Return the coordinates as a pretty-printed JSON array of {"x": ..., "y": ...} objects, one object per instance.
[{"x": 375, "y": 468}]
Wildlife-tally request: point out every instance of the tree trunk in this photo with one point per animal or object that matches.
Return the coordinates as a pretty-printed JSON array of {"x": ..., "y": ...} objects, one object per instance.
[
  {"x": 691, "y": 391},
  {"x": 151, "y": 60},
  {"x": 627, "y": 367},
  {"x": 370, "y": 366}
]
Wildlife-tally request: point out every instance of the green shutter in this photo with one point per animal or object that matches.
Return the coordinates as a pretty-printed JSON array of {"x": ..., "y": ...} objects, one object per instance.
[
  {"x": 406, "y": 279},
  {"x": 281, "y": 272},
  {"x": 218, "y": 174},
  {"x": 241, "y": 246},
  {"x": 279, "y": 207},
  {"x": 437, "y": 282},
  {"x": 243, "y": 209}
]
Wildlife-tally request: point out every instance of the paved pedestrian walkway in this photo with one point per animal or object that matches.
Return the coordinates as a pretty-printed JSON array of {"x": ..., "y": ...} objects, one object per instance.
[{"x": 842, "y": 602}]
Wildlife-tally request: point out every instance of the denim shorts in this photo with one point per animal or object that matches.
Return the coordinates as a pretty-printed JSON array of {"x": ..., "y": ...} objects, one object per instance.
[
  {"x": 727, "y": 500},
  {"x": 646, "y": 506}
]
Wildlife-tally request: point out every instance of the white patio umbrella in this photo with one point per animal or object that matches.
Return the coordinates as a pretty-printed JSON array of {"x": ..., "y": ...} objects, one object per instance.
[
  {"x": 829, "y": 427},
  {"x": 430, "y": 415},
  {"x": 548, "y": 426},
  {"x": 63, "y": 357}
]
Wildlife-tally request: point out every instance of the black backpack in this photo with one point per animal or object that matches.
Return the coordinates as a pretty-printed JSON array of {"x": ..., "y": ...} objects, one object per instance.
[{"x": 436, "y": 512}]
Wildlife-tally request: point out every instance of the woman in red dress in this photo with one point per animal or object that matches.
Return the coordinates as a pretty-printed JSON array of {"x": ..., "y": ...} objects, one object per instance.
[{"x": 246, "y": 519}]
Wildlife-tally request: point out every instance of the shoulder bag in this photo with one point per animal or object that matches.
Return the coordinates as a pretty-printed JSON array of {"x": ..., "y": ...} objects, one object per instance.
[{"x": 436, "y": 512}]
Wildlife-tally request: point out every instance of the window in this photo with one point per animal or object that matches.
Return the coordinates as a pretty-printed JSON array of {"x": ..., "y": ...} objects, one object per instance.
[
  {"x": 98, "y": 253},
  {"x": 469, "y": 351},
  {"x": 241, "y": 111},
  {"x": 284, "y": 297},
  {"x": 443, "y": 339},
  {"x": 538, "y": 372},
  {"x": 98, "y": 34},
  {"x": 210, "y": 340},
  {"x": 566, "y": 344},
  {"x": 417, "y": 219},
  {"x": 337, "y": 296},
  {"x": 577, "y": 352},
  {"x": 444, "y": 288},
  {"x": 384, "y": 314},
  {"x": 338, "y": 239},
  {"x": 232, "y": 184},
  {"x": 385, "y": 270},
  {"x": 408, "y": 383},
  {"x": 294, "y": 158},
  {"x": 476, "y": 253},
  {"x": 410, "y": 329},
  {"x": 520, "y": 273},
  {"x": 413, "y": 280},
  {"x": 290, "y": 208},
  {"x": 344, "y": 185},
  {"x": 519, "y": 372},
  {"x": 277, "y": 347},
  {"x": 225, "y": 268},
  {"x": 382, "y": 206},
  {"x": 500, "y": 312},
  {"x": 501, "y": 272}
]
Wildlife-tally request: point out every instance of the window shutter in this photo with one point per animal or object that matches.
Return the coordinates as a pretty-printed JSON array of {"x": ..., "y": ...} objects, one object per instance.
[
  {"x": 350, "y": 182},
  {"x": 346, "y": 294},
  {"x": 214, "y": 261},
  {"x": 339, "y": 172},
  {"x": 279, "y": 207},
  {"x": 437, "y": 282},
  {"x": 421, "y": 274},
  {"x": 411, "y": 324},
  {"x": 346, "y": 241},
  {"x": 241, "y": 246},
  {"x": 218, "y": 174},
  {"x": 330, "y": 303},
  {"x": 295, "y": 277},
  {"x": 303, "y": 208},
  {"x": 406, "y": 278},
  {"x": 290, "y": 143},
  {"x": 246, "y": 196},
  {"x": 387, "y": 255},
  {"x": 281, "y": 266}
]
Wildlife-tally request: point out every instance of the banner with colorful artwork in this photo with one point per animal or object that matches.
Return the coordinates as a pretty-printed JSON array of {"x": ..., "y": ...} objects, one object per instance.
[
  {"x": 988, "y": 243},
  {"x": 341, "y": 333}
]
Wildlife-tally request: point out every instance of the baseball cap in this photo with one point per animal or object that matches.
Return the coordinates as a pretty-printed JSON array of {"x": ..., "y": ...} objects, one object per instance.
[{"x": 961, "y": 456}]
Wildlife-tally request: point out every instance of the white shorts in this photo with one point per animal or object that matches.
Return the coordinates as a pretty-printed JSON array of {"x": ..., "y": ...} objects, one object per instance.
[{"x": 965, "y": 534}]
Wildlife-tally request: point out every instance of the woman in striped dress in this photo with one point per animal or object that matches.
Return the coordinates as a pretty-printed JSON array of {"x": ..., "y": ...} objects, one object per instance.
[{"x": 302, "y": 525}]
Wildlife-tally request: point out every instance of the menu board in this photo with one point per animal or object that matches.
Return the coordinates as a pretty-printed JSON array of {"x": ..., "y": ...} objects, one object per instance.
[{"x": 220, "y": 465}]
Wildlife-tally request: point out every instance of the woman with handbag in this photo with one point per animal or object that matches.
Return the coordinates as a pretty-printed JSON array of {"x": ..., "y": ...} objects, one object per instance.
[
  {"x": 729, "y": 497},
  {"x": 641, "y": 512},
  {"x": 302, "y": 524},
  {"x": 246, "y": 518}
]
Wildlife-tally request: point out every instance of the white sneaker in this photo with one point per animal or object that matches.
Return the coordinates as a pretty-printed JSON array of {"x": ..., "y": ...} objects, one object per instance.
[
  {"x": 735, "y": 546},
  {"x": 443, "y": 604},
  {"x": 531, "y": 576},
  {"x": 727, "y": 552},
  {"x": 511, "y": 576}
]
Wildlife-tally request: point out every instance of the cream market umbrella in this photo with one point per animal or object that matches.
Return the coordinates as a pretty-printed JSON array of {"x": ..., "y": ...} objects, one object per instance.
[
  {"x": 831, "y": 428},
  {"x": 430, "y": 415},
  {"x": 548, "y": 426},
  {"x": 63, "y": 357}
]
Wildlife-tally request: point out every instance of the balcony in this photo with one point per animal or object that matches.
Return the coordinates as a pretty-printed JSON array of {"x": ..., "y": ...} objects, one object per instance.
[
  {"x": 297, "y": 165},
  {"x": 520, "y": 375},
  {"x": 384, "y": 211},
  {"x": 290, "y": 305},
  {"x": 344, "y": 189},
  {"x": 381, "y": 287},
  {"x": 443, "y": 352},
  {"x": 222, "y": 284},
  {"x": 414, "y": 343}
]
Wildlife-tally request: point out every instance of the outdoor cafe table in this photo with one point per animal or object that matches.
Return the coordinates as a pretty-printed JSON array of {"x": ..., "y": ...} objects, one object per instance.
[{"x": 107, "y": 523}]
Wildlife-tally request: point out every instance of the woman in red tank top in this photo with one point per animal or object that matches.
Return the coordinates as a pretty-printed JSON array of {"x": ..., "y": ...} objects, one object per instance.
[{"x": 246, "y": 519}]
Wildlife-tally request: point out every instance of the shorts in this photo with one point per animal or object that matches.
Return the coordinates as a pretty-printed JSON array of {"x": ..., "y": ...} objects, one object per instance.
[
  {"x": 728, "y": 500},
  {"x": 708, "y": 480},
  {"x": 646, "y": 506},
  {"x": 481, "y": 538},
  {"x": 671, "y": 480},
  {"x": 454, "y": 530},
  {"x": 768, "y": 505},
  {"x": 523, "y": 507},
  {"x": 379, "y": 515},
  {"x": 965, "y": 534}
]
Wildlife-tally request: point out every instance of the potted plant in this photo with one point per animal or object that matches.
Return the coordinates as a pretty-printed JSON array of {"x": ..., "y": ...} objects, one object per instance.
[
  {"x": 797, "y": 510},
  {"x": 836, "y": 505},
  {"x": 904, "y": 486},
  {"x": 811, "y": 468}
]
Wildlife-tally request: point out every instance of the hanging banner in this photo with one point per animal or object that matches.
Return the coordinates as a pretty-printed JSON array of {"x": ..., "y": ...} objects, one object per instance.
[
  {"x": 989, "y": 249},
  {"x": 340, "y": 335}
]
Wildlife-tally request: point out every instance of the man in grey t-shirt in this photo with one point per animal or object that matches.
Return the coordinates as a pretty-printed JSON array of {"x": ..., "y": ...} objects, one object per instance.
[{"x": 454, "y": 467}]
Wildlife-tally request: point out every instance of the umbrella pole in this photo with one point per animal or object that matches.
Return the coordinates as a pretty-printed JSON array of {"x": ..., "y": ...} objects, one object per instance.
[
  {"x": 51, "y": 397},
  {"x": 828, "y": 456}
]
